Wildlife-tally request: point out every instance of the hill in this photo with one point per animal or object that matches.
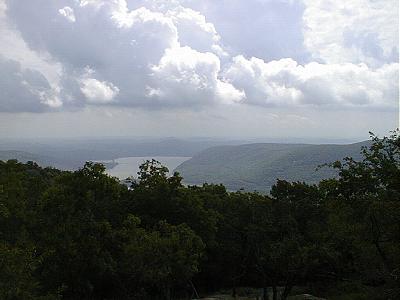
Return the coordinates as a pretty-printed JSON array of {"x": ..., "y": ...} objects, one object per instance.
[
  {"x": 257, "y": 166},
  {"x": 43, "y": 160},
  {"x": 71, "y": 154},
  {"x": 19, "y": 155}
]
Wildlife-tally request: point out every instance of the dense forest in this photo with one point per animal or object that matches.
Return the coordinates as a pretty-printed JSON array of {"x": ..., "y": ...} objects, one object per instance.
[{"x": 83, "y": 235}]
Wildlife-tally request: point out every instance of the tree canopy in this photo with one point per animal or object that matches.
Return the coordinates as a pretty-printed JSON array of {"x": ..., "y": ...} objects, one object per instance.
[{"x": 84, "y": 235}]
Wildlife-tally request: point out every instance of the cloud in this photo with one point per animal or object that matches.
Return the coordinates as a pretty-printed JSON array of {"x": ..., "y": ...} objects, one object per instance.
[
  {"x": 98, "y": 92},
  {"x": 352, "y": 31},
  {"x": 121, "y": 46},
  {"x": 286, "y": 83},
  {"x": 13, "y": 47},
  {"x": 267, "y": 29},
  {"x": 24, "y": 90},
  {"x": 68, "y": 13},
  {"x": 195, "y": 32},
  {"x": 191, "y": 54},
  {"x": 190, "y": 77}
]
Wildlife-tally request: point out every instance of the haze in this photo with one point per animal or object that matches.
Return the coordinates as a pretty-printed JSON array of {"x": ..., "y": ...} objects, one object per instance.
[{"x": 259, "y": 68}]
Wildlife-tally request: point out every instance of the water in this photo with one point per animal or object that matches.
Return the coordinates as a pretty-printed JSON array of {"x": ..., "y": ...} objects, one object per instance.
[{"x": 129, "y": 166}]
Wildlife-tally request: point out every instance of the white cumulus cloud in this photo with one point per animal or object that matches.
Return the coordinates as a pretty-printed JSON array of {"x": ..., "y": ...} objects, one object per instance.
[
  {"x": 97, "y": 91},
  {"x": 285, "y": 83},
  {"x": 190, "y": 77},
  {"x": 158, "y": 53}
]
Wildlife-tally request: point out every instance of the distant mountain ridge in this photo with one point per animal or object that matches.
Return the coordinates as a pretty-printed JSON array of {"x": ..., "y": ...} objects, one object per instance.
[
  {"x": 42, "y": 160},
  {"x": 72, "y": 154},
  {"x": 254, "y": 166},
  {"x": 19, "y": 155},
  {"x": 258, "y": 166}
]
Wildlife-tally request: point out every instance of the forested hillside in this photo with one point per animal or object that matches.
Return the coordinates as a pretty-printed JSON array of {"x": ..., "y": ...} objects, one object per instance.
[
  {"x": 71, "y": 154},
  {"x": 83, "y": 235},
  {"x": 258, "y": 166}
]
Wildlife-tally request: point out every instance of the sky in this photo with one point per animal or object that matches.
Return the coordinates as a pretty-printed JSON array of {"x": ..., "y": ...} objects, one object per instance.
[{"x": 184, "y": 68}]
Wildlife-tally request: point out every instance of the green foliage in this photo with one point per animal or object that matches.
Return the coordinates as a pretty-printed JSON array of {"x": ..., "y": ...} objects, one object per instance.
[
  {"x": 161, "y": 259},
  {"x": 83, "y": 235},
  {"x": 365, "y": 212}
]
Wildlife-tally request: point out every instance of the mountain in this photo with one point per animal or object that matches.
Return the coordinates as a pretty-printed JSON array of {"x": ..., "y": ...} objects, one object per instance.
[
  {"x": 20, "y": 155},
  {"x": 71, "y": 154},
  {"x": 253, "y": 166},
  {"x": 257, "y": 166},
  {"x": 24, "y": 156},
  {"x": 59, "y": 162}
]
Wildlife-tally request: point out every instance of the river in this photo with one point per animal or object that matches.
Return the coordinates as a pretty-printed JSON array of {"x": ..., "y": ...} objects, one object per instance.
[{"x": 129, "y": 166}]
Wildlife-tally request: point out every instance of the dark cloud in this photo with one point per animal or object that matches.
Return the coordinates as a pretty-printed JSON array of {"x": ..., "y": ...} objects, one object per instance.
[{"x": 23, "y": 90}]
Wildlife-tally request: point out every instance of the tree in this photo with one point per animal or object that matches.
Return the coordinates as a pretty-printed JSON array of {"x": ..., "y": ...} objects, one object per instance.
[
  {"x": 159, "y": 197},
  {"x": 83, "y": 235},
  {"x": 158, "y": 260},
  {"x": 364, "y": 207}
]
